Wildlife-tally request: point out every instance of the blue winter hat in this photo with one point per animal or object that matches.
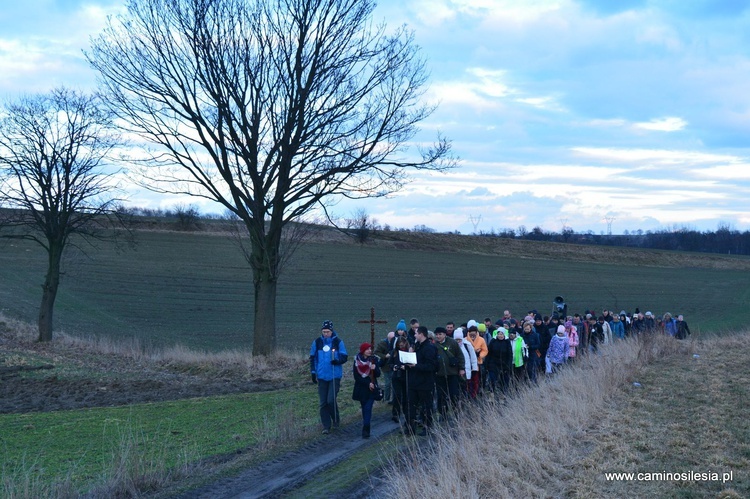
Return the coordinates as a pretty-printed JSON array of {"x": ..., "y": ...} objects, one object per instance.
[
  {"x": 401, "y": 325},
  {"x": 327, "y": 325}
]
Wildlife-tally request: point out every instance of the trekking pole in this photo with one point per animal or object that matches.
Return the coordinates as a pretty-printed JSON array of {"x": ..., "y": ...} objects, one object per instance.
[
  {"x": 408, "y": 402},
  {"x": 333, "y": 387}
]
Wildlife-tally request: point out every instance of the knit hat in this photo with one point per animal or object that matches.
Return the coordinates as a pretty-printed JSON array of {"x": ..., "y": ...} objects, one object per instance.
[
  {"x": 561, "y": 329},
  {"x": 471, "y": 323},
  {"x": 363, "y": 347},
  {"x": 458, "y": 334},
  {"x": 401, "y": 325},
  {"x": 327, "y": 325},
  {"x": 441, "y": 329},
  {"x": 482, "y": 328}
]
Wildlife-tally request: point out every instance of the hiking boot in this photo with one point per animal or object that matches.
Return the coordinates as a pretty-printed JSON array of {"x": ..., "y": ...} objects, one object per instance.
[
  {"x": 366, "y": 431},
  {"x": 326, "y": 431}
]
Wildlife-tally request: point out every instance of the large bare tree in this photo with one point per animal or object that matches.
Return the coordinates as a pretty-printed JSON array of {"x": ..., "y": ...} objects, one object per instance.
[
  {"x": 55, "y": 180},
  {"x": 268, "y": 107}
]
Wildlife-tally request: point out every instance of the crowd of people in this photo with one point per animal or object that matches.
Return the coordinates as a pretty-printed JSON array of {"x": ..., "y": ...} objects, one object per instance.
[{"x": 443, "y": 368}]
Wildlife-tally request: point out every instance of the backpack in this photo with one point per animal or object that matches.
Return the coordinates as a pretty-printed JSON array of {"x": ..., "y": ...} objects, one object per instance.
[{"x": 334, "y": 345}]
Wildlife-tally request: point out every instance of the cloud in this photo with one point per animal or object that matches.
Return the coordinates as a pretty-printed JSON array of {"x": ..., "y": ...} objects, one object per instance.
[
  {"x": 436, "y": 12},
  {"x": 663, "y": 125},
  {"x": 39, "y": 52},
  {"x": 659, "y": 156},
  {"x": 559, "y": 109}
]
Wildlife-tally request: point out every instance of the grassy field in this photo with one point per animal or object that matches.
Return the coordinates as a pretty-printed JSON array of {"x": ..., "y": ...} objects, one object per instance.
[
  {"x": 196, "y": 289},
  {"x": 83, "y": 445},
  {"x": 128, "y": 450}
]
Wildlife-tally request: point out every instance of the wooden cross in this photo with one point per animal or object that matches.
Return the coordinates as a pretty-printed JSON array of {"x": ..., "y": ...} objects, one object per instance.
[{"x": 372, "y": 323}]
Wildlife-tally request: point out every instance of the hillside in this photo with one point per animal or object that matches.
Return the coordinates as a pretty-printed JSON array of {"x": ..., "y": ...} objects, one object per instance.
[
  {"x": 483, "y": 245},
  {"x": 496, "y": 246},
  {"x": 195, "y": 288}
]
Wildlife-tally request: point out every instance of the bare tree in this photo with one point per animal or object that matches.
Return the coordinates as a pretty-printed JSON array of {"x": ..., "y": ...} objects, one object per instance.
[
  {"x": 268, "y": 107},
  {"x": 54, "y": 181},
  {"x": 360, "y": 225}
]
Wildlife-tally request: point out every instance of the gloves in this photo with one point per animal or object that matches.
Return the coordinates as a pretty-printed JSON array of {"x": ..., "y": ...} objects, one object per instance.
[
  {"x": 314, "y": 378},
  {"x": 335, "y": 362}
]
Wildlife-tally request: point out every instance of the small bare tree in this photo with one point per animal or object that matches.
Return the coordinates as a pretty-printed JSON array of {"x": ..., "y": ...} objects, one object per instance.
[
  {"x": 360, "y": 225},
  {"x": 268, "y": 107},
  {"x": 53, "y": 178}
]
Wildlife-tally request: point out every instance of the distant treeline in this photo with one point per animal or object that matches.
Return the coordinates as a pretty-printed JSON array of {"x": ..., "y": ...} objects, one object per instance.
[{"x": 724, "y": 240}]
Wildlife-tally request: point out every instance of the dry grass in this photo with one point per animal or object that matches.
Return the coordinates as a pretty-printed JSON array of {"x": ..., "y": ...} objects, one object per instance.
[
  {"x": 24, "y": 482},
  {"x": 559, "y": 440},
  {"x": 687, "y": 416},
  {"x": 133, "y": 472},
  {"x": 185, "y": 359},
  {"x": 178, "y": 358}
]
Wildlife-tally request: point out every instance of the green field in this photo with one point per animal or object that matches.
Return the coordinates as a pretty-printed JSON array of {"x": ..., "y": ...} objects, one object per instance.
[{"x": 196, "y": 289}]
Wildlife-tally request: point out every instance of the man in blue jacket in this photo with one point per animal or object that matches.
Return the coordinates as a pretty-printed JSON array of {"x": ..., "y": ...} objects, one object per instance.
[{"x": 327, "y": 354}]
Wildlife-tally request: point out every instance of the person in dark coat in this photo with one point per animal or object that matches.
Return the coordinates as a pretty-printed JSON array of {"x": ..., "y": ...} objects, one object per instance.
[
  {"x": 544, "y": 338},
  {"x": 500, "y": 362},
  {"x": 383, "y": 351},
  {"x": 596, "y": 334},
  {"x": 683, "y": 331},
  {"x": 398, "y": 380},
  {"x": 533, "y": 341},
  {"x": 452, "y": 366},
  {"x": 365, "y": 371},
  {"x": 421, "y": 381}
]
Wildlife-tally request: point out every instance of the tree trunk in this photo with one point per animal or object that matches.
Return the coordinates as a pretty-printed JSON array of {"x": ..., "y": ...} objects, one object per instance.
[
  {"x": 264, "y": 334},
  {"x": 264, "y": 260},
  {"x": 49, "y": 293}
]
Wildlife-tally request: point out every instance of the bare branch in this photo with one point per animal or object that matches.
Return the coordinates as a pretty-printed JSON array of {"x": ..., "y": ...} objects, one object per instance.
[
  {"x": 268, "y": 107},
  {"x": 56, "y": 179}
]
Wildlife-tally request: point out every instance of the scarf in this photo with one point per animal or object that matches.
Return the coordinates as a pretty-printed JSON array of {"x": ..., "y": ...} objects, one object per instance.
[{"x": 363, "y": 365}]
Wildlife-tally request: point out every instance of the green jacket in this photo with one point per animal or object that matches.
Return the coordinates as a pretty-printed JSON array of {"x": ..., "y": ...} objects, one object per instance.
[
  {"x": 450, "y": 358},
  {"x": 382, "y": 349}
]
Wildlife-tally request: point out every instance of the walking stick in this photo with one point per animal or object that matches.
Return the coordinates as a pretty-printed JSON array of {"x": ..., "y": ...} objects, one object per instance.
[
  {"x": 408, "y": 402},
  {"x": 333, "y": 387}
]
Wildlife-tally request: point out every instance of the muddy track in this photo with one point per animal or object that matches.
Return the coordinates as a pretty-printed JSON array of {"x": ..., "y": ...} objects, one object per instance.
[{"x": 293, "y": 469}]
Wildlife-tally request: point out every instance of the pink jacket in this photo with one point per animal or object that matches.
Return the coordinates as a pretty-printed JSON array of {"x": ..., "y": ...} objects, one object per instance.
[{"x": 572, "y": 333}]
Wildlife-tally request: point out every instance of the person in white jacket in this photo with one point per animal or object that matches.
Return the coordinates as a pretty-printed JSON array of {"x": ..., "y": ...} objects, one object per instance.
[
  {"x": 470, "y": 359},
  {"x": 607, "y": 330}
]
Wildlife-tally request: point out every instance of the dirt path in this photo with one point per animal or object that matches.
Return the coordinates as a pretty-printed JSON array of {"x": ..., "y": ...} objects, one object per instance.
[{"x": 293, "y": 469}]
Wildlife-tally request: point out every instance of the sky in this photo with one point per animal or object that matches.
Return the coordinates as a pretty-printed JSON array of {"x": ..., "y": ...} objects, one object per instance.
[{"x": 591, "y": 115}]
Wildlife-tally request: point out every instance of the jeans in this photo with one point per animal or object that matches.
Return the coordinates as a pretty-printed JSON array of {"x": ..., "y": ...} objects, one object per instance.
[
  {"x": 387, "y": 391},
  {"x": 367, "y": 410},
  {"x": 419, "y": 399},
  {"x": 328, "y": 392},
  {"x": 532, "y": 366},
  {"x": 447, "y": 393}
]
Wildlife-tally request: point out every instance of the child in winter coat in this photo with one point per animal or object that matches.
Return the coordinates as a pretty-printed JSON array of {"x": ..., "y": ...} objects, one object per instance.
[{"x": 572, "y": 333}]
